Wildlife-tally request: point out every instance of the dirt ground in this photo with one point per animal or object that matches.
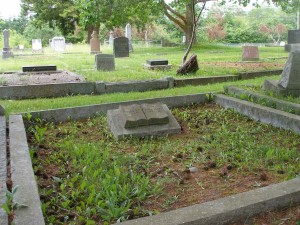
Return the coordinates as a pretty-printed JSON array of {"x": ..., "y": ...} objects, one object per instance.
[{"x": 9, "y": 79}]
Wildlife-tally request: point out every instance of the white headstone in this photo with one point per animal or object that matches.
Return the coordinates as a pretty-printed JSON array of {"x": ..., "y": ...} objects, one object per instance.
[
  {"x": 128, "y": 35},
  {"x": 111, "y": 39},
  {"x": 183, "y": 39},
  {"x": 58, "y": 44},
  {"x": 6, "y": 38},
  {"x": 36, "y": 45}
]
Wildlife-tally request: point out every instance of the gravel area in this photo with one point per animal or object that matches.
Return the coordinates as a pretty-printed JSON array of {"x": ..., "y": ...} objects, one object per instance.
[{"x": 9, "y": 79}]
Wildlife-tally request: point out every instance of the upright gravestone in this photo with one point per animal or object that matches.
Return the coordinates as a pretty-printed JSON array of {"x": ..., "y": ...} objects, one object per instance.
[
  {"x": 121, "y": 47},
  {"x": 140, "y": 120},
  {"x": 36, "y": 45},
  {"x": 95, "y": 43},
  {"x": 250, "y": 53},
  {"x": 289, "y": 83},
  {"x": 293, "y": 38},
  {"x": 105, "y": 62},
  {"x": 6, "y": 52},
  {"x": 58, "y": 44},
  {"x": 129, "y": 36},
  {"x": 111, "y": 39}
]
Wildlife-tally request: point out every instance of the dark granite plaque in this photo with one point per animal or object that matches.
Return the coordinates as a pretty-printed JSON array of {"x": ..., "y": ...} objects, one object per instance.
[
  {"x": 38, "y": 68},
  {"x": 121, "y": 47},
  {"x": 157, "y": 62}
]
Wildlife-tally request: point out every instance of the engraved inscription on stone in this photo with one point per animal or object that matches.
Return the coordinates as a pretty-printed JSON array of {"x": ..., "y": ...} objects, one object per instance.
[
  {"x": 142, "y": 115},
  {"x": 155, "y": 114}
]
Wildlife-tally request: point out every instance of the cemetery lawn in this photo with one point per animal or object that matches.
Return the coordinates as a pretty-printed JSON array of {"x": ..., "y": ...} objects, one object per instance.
[
  {"x": 213, "y": 60},
  {"x": 85, "y": 176}
]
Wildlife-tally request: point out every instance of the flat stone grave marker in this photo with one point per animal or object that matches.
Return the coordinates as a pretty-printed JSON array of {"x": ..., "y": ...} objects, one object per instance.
[
  {"x": 105, "y": 62},
  {"x": 159, "y": 64},
  {"x": 38, "y": 68},
  {"x": 121, "y": 47},
  {"x": 140, "y": 120},
  {"x": 250, "y": 53}
]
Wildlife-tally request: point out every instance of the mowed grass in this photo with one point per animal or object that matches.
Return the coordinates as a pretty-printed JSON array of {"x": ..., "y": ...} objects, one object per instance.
[{"x": 212, "y": 61}]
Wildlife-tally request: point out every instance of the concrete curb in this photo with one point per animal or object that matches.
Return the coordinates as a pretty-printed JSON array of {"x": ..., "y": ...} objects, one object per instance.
[
  {"x": 22, "y": 176},
  {"x": 229, "y": 209},
  {"x": 268, "y": 101},
  {"x": 100, "y": 87},
  {"x": 260, "y": 113},
  {"x": 3, "y": 170},
  {"x": 82, "y": 112}
]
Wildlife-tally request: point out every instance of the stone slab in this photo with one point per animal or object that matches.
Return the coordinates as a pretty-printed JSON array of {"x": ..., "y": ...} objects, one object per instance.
[
  {"x": 156, "y": 62},
  {"x": 250, "y": 53},
  {"x": 270, "y": 101},
  {"x": 229, "y": 209},
  {"x": 83, "y": 112},
  {"x": 120, "y": 132},
  {"x": 260, "y": 113},
  {"x": 105, "y": 62},
  {"x": 205, "y": 80},
  {"x": 130, "y": 86},
  {"x": 250, "y": 75},
  {"x": 23, "y": 176},
  {"x": 272, "y": 85},
  {"x": 46, "y": 90},
  {"x": 158, "y": 67},
  {"x": 3, "y": 170},
  {"x": 121, "y": 47},
  {"x": 38, "y": 68}
]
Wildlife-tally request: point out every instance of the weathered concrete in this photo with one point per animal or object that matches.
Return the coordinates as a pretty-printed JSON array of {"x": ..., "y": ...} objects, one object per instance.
[
  {"x": 261, "y": 113},
  {"x": 136, "y": 86},
  {"x": 23, "y": 176},
  {"x": 272, "y": 85},
  {"x": 266, "y": 100},
  {"x": 251, "y": 75},
  {"x": 46, "y": 90},
  {"x": 3, "y": 170},
  {"x": 229, "y": 209},
  {"x": 119, "y": 131},
  {"x": 205, "y": 80},
  {"x": 82, "y": 112}
]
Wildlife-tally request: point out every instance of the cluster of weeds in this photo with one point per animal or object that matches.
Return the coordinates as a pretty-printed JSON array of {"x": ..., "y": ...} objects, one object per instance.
[{"x": 85, "y": 175}]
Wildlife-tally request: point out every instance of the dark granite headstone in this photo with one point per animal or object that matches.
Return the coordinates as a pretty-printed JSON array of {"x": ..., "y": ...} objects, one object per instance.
[
  {"x": 38, "y": 68},
  {"x": 293, "y": 36},
  {"x": 121, "y": 47},
  {"x": 157, "y": 62},
  {"x": 105, "y": 62}
]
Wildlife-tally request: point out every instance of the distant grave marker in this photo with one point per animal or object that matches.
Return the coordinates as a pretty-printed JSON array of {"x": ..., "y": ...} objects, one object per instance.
[
  {"x": 250, "y": 53},
  {"x": 38, "y": 68},
  {"x": 111, "y": 39},
  {"x": 58, "y": 44},
  {"x": 36, "y": 45},
  {"x": 159, "y": 64},
  {"x": 121, "y": 47},
  {"x": 95, "y": 43},
  {"x": 6, "y": 51},
  {"x": 105, "y": 62},
  {"x": 140, "y": 120},
  {"x": 129, "y": 36}
]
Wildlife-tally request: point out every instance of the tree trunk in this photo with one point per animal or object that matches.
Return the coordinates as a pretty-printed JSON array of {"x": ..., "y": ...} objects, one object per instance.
[{"x": 188, "y": 31}]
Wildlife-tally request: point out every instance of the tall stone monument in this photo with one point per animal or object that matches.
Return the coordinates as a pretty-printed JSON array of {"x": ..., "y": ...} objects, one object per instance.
[
  {"x": 129, "y": 36},
  {"x": 6, "y": 52},
  {"x": 95, "y": 43},
  {"x": 289, "y": 83},
  {"x": 293, "y": 38}
]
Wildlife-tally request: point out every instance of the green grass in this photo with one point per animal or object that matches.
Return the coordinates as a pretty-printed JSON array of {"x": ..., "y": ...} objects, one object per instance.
[
  {"x": 29, "y": 105},
  {"x": 80, "y": 61}
]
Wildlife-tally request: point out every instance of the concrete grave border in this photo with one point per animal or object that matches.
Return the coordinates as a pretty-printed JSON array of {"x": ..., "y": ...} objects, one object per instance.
[
  {"x": 100, "y": 87},
  {"x": 220, "y": 211}
]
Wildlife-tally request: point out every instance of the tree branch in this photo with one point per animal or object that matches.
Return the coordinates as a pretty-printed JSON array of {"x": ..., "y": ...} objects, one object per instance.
[
  {"x": 169, "y": 8},
  {"x": 175, "y": 20}
]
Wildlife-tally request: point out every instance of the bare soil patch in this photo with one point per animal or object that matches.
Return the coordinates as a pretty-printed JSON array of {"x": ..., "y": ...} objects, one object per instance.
[{"x": 9, "y": 79}]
